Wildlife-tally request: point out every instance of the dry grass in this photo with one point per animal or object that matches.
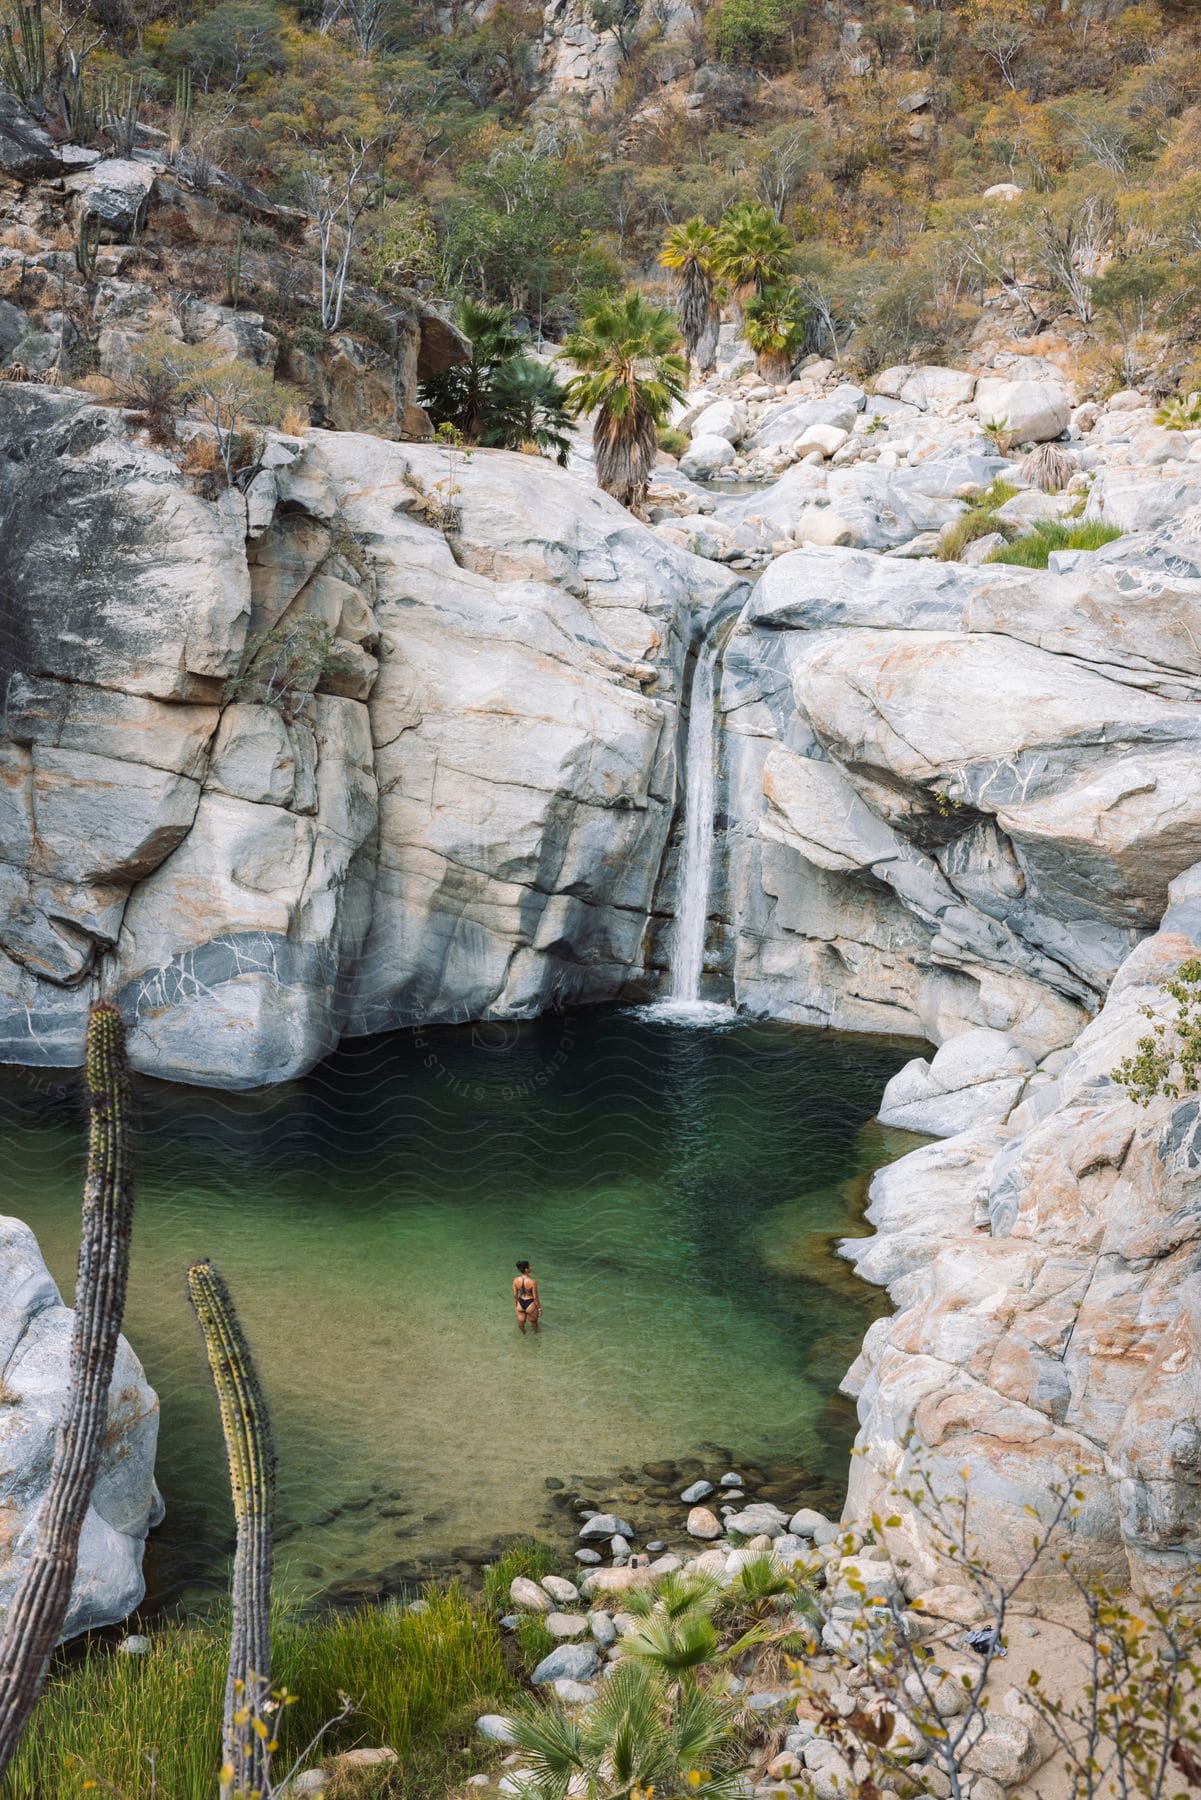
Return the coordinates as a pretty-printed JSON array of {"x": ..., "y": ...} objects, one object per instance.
[
  {"x": 202, "y": 456},
  {"x": 100, "y": 388},
  {"x": 8, "y": 1395}
]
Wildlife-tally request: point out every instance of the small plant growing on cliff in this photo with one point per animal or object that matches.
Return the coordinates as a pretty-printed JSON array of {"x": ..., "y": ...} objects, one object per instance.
[
  {"x": 443, "y": 510},
  {"x": 168, "y": 379},
  {"x": 1167, "y": 1060},
  {"x": 283, "y": 666},
  {"x": 997, "y": 431}
]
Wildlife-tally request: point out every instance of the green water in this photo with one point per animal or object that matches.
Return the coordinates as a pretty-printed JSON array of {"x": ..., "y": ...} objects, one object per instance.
[{"x": 677, "y": 1191}]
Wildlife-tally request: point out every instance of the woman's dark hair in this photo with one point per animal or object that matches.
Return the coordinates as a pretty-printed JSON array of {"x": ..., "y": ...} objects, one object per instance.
[{"x": 523, "y": 1268}]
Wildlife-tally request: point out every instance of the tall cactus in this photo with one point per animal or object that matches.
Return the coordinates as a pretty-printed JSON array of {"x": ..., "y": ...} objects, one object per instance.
[
  {"x": 39, "y": 1608},
  {"x": 247, "y": 1429},
  {"x": 87, "y": 246}
]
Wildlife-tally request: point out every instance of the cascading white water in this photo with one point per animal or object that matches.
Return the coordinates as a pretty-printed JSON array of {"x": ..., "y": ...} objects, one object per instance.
[{"x": 696, "y": 859}]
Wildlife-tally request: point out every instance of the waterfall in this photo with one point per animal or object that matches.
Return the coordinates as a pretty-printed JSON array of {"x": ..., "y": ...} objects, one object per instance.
[{"x": 696, "y": 859}]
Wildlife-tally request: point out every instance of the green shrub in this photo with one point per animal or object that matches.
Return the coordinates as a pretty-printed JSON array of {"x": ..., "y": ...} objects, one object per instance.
[
  {"x": 759, "y": 33},
  {"x": 978, "y": 521},
  {"x": 1033, "y": 550},
  {"x": 1168, "y": 1059},
  {"x": 1179, "y": 414},
  {"x": 671, "y": 441}
]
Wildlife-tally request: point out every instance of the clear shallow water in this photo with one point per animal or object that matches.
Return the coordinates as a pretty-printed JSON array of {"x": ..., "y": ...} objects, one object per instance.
[{"x": 677, "y": 1190}]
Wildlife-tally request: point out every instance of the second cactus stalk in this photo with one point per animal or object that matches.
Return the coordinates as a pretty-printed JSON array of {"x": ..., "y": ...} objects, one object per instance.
[{"x": 247, "y": 1431}]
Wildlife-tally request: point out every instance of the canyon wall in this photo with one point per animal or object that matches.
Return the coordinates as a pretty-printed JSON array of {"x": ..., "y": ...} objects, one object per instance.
[
  {"x": 957, "y": 796},
  {"x": 389, "y": 739}
]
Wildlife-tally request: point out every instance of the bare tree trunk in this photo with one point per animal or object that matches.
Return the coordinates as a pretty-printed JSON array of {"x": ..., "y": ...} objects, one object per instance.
[{"x": 39, "y": 1608}]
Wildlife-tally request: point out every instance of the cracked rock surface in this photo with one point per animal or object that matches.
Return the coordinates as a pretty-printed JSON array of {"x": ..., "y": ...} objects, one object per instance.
[{"x": 284, "y": 766}]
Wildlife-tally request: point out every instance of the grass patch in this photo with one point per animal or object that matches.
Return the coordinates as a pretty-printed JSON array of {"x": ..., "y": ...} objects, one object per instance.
[
  {"x": 978, "y": 521},
  {"x": 672, "y": 441},
  {"x": 529, "y": 1558},
  {"x": 534, "y": 1640},
  {"x": 1033, "y": 550},
  {"x": 420, "y": 1679}
]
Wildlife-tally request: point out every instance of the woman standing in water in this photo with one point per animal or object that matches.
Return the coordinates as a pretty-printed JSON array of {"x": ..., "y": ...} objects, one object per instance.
[{"x": 525, "y": 1297}]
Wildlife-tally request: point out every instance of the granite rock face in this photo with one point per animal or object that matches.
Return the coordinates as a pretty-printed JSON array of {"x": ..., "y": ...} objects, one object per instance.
[
  {"x": 1045, "y": 1269},
  {"x": 296, "y": 763},
  {"x": 956, "y": 797},
  {"x": 35, "y": 1344}
]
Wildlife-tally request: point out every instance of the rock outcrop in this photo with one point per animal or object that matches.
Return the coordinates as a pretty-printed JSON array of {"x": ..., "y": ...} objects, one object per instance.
[
  {"x": 35, "y": 1345},
  {"x": 956, "y": 796},
  {"x": 295, "y": 763},
  {"x": 1049, "y": 1330}
]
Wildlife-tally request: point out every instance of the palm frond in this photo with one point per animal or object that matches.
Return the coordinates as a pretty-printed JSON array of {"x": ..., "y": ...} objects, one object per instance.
[
  {"x": 551, "y": 1739},
  {"x": 674, "y": 1645}
]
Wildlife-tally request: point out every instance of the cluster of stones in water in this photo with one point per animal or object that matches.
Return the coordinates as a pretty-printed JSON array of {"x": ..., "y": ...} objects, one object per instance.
[{"x": 653, "y": 1497}]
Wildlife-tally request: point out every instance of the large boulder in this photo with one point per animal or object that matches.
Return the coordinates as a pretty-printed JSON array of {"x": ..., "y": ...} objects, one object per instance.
[
  {"x": 26, "y": 151},
  {"x": 937, "y": 390},
  {"x": 785, "y": 422},
  {"x": 1030, "y": 411},
  {"x": 705, "y": 455},
  {"x": 721, "y": 418},
  {"x": 116, "y": 192},
  {"x": 35, "y": 1345}
]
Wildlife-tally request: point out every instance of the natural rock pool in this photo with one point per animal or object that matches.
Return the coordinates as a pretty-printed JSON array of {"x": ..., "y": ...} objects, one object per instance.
[{"x": 678, "y": 1191}]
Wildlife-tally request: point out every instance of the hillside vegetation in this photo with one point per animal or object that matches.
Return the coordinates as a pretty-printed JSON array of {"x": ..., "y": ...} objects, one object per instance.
[{"x": 465, "y": 166}]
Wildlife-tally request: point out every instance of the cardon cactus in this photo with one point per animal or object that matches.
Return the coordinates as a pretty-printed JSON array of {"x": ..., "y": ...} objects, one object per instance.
[
  {"x": 247, "y": 1430},
  {"x": 39, "y": 1608}
]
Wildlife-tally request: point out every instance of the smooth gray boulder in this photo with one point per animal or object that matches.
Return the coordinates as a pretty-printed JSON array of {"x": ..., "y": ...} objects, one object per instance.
[
  {"x": 567, "y": 1662},
  {"x": 705, "y": 455},
  {"x": 495, "y": 1727},
  {"x": 605, "y": 1525},
  {"x": 35, "y": 1344},
  {"x": 974, "y": 1079},
  {"x": 722, "y": 418},
  {"x": 760, "y": 1517},
  {"x": 1030, "y": 411}
]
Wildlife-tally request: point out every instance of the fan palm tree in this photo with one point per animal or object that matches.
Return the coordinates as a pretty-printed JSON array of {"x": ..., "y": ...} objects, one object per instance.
[
  {"x": 688, "y": 251},
  {"x": 526, "y": 405},
  {"x": 752, "y": 252},
  {"x": 774, "y": 326},
  {"x": 630, "y": 374},
  {"x": 459, "y": 395},
  {"x": 639, "y": 1734}
]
